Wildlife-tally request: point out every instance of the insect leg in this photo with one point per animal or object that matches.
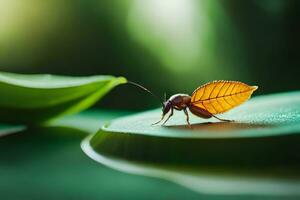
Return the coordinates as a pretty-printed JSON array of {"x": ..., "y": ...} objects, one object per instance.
[
  {"x": 171, "y": 114},
  {"x": 187, "y": 116},
  {"x": 224, "y": 120},
  {"x": 162, "y": 117}
]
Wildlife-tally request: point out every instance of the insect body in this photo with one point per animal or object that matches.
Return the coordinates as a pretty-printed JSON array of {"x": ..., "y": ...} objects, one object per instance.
[
  {"x": 183, "y": 102},
  {"x": 208, "y": 100}
]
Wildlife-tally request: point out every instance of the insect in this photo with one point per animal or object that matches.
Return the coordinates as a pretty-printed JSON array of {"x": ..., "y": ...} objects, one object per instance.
[{"x": 207, "y": 100}]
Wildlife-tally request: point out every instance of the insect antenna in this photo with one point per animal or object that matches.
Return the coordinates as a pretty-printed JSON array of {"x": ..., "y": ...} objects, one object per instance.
[{"x": 145, "y": 89}]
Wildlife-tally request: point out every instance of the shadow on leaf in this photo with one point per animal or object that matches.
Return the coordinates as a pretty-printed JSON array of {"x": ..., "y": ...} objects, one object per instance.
[{"x": 221, "y": 126}]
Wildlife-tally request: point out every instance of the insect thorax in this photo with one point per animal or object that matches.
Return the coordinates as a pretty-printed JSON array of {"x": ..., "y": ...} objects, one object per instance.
[{"x": 180, "y": 99}]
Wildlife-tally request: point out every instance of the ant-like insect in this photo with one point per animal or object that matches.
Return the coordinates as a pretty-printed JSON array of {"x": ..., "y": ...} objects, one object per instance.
[{"x": 207, "y": 100}]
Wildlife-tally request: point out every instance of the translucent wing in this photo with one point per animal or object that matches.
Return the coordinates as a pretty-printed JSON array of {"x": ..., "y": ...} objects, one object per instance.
[{"x": 221, "y": 96}]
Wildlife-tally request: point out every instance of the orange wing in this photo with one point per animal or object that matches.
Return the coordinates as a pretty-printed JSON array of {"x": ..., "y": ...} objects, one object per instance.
[{"x": 220, "y": 96}]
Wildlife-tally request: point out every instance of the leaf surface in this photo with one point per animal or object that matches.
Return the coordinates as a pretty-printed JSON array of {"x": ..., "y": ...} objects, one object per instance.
[
  {"x": 39, "y": 98},
  {"x": 221, "y": 96},
  {"x": 257, "y": 154}
]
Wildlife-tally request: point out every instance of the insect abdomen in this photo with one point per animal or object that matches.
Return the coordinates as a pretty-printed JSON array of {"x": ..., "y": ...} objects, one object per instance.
[{"x": 200, "y": 112}]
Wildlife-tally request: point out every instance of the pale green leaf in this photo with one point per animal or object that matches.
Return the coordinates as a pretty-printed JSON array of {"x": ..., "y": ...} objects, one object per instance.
[{"x": 38, "y": 98}]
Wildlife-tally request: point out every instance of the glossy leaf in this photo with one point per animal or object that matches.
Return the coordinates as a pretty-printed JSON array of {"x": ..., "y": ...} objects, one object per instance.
[
  {"x": 38, "y": 98},
  {"x": 221, "y": 96},
  {"x": 257, "y": 154}
]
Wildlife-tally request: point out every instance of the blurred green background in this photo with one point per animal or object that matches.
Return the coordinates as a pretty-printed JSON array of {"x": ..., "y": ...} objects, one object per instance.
[{"x": 168, "y": 46}]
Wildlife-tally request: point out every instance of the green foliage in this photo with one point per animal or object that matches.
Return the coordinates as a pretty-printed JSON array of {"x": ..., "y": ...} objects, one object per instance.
[{"x": 38, "y": 98}]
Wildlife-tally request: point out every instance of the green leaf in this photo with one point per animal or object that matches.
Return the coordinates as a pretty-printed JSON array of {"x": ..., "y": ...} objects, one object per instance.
[
  {"x": 258, "y": 152},
  {"x": 262, "y": 116},
  {"x": 39, "y": 98}
]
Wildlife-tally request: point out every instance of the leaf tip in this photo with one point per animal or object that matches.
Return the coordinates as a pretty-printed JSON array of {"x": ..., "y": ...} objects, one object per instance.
[
  {"x": 254, "y": 88},
  {"x": 122, "y": 80}
]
